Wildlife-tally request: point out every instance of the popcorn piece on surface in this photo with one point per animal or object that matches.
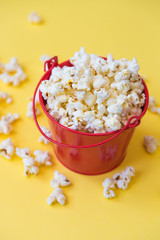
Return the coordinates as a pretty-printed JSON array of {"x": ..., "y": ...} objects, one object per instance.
[
  {"x": 7, "y": 148},
  {"x": 44, "y": 58},
  {"x": 42, "y": 158},
  {"x": 48, "y": 133},
  {"x": 109, "y": 183},
  {"x": 12, "y": 73},
  {"x": 5, "y": 122},
  {"x": 119, "y": 180},
  {"x": 5, "y": 96},
  {"x": 30, "y": 108},
  {"x": 23, "y": 152},
  {"x": 56, "y": 195},
  {"x": 29, "y": 166},
  {"x": 59, "y": 180},
  {"x": 152, "y": 106},
  {"x": 109, "y": 91},
  {"x": 33, "y": 17},
  {"x": 108, "y": 193},
  {"x": 150, "y": 143}
]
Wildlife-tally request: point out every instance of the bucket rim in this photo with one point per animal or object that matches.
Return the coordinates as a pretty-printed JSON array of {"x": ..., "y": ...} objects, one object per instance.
[{"x": 41, "y": 100}]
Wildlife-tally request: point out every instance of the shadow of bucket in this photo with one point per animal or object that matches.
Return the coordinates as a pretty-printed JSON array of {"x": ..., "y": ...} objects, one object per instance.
[{"x": 87, "y": 153}]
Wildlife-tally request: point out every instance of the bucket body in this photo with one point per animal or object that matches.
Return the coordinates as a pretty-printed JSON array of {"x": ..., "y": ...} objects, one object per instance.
[
  {"x": 87, "y": 153},
  {"x": 90, "y": 161}
]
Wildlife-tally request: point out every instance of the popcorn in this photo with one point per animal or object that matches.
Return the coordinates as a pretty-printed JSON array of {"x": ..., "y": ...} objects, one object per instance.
[
  {"x": 44, "y": 58},
  {"x": 59, "y": 180},
  {"x": 108, "y": 193},
  {"x": 56, "y": 195},
  {"x": 12, "y": 73},
  {"x": 94, "y": 95},
  {"x": 42, "y": 158},
  {"x": 28, "y": 161},
  {"x": 5, "y": 122},
  {"x": 5, "y": 96},
  {"x": 33, "y": 17},
  {"x": 23, "y": 152},
  {"x": 119, "y": 180},
  {"x": 30, "y": 108},
  {"x": 150, "y": 143},
  {"x": 46, "y": 132},
  {"x": 152, "y": 105},
  {"x": 29, "y": 166},
  {"x": 7, "y": 148}
]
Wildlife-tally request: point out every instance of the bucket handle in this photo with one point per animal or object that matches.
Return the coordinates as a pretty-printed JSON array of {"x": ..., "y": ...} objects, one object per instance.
[{"x": 48, "y": 66}]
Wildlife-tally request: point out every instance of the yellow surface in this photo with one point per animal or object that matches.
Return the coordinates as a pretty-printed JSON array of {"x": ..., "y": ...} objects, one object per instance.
[{"x": 125, "y": 29}]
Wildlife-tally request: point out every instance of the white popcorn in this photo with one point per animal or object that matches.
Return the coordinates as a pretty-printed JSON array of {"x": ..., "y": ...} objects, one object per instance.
[
  {"x": 29, "y": 166},
  {"x": 42, "y": 158},
  {"x": 56, "y": 195},
  {"x": 5, "y": 96},
  {"x": 28, "y": 161},
  {"x": 150, "y": 143},
  {"x": 108, "y": 183},
  {"x": 33, "y": 17},
  {"x": 23, "y": 152},
  {"x": 44, "y": 58},
  {"x": 30, "y": 109},
  {"x": 5, "y": 122},
  {"x": 59, "y": 180},
  {"x": 46, "y": 132},
  {"x": 12, "y": 73},
  {"x": 152, "y": 106},
  {"x": 7, "y": 148},
  {"x": 94, "y": 95},
  {"x": 108, "y": 193}
]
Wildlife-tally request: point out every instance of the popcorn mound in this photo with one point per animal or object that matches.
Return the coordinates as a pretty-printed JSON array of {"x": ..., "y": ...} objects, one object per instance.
[{"x": 95, "y": 95}]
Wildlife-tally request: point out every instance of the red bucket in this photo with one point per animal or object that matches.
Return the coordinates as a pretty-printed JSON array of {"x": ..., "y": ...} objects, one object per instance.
[{"x": 87, "y": 153}]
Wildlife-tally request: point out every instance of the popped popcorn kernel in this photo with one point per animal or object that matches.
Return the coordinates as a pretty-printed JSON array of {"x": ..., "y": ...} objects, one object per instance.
[
  {"x": 5, "y": 96},
  {"x": 7, "y": 148},
  {"x": 94, "y": 95},
  {"x": 152, "y": 105},
  {"x": 30, "y": 108},
  {"x": 46, "y": 132},
  {"x": 56, "y": 195},
  {"x": 23, "y": 152},
  {"x": 42, "y": 158},
  {"x": 59, "y": 180},
  {"x": 44, "y": 58},
  {"x": 5, "y": 122},
  {"x": 150, "y": 143},
  {"x": 119, "y": 180},
  {"x": 33, "y": 17},
  {"x": 12, "y": 73}
]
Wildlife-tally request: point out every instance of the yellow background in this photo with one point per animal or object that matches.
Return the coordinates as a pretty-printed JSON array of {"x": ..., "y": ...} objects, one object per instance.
[{"x": 126, "y": 29}]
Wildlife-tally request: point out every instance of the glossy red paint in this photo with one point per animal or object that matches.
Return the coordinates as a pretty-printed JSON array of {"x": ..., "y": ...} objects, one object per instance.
[{"x": 87, "y": 153}]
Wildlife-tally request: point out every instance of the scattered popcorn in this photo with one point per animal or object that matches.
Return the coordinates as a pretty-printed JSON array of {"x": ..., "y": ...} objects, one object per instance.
[
  {"x": 5, "y": 96},
  {"x": 94, "y": 95},
  {"x": 108, "y": 193},
  {"x": 33, "y": 17},
  {"x": 46, "y": 132},
  {"x": 44, "y": 58},
  {"x": 152, "y": 106},
  {"x": 28, "y": 161},
  {"x": 30, "y": 108},
  {"x": 23, "y": 152},
  {"x": 150, "y": 143},
  {"x": 7, "y": 148},
  {"x": 56, "y": 195},
  {"x": 29, "y": 166},
  {"x": 12, "y": 73},
  {"x": 5, "y": 122},
  {"x": 119, "y": 180},
  {"x": 59, "y": 180},
  {"x": 42, "y": 158}
]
